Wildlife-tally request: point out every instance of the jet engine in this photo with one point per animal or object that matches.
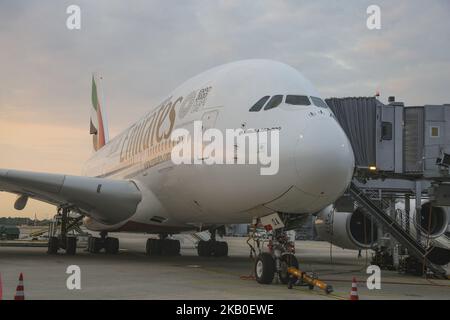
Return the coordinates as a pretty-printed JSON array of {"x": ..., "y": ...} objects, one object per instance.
[
  {"x": 432, "y": 220},
  {"x": 348, "y": 230}
]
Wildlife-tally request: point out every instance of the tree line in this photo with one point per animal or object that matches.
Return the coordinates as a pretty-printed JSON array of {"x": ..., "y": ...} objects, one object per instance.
[{"x": 18, "y": 221}]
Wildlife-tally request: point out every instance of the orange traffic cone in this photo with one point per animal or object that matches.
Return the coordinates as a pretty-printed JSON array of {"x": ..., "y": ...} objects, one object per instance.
[
  {"x": 20, "y": 295},
  {"x": 354, "y": 292}
]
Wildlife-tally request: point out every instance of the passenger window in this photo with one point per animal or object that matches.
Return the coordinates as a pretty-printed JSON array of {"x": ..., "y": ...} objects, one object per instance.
[
  {"x": 298, "y": 100},
  {"x": 274, "y": 102},
  {"x": 319, "y": 102},
  {"x": 258, "y": 105}
]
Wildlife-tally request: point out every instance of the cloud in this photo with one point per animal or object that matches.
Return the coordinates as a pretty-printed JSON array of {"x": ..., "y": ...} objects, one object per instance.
[{"x": 144, "y": 49}]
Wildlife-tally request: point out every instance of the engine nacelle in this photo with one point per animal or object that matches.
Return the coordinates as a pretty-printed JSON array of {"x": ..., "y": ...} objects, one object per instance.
[
  {"x": 348, "y": 230},
  {"x": 435, "y": 224}
]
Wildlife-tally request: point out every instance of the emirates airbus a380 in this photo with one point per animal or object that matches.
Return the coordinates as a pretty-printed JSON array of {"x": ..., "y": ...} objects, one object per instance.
[{"x": 131, "y": 183}]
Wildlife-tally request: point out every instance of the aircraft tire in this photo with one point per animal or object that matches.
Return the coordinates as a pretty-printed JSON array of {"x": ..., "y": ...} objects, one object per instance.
[
  {"x": 71, "y": 246},
  {"x": 89, "y": 247},
  {"x": 286, "y": 261},
  {"x": 204, "y": 248},
  {"x": 94, "y": 245},
  {"x": 53, "y": 245},
  {"x": 112, "y": 245},
  {"x": 153, "y": 247},
  {"x": 176, "y": 247},
  {"x": 264, "y": 268},
  {"x": 221, "y": 249},
  {"x": 170, "y": 247}
]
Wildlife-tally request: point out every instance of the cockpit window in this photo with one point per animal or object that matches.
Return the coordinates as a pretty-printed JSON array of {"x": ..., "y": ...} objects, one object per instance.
[
  {"x": 298, "y": 100},
  {"x": 274, "y": 102},
  {"x": 319, "y": 102},
  {"x": 258, "y": 105}
]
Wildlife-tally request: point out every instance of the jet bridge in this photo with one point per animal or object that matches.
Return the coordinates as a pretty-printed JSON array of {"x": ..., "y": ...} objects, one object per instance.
[
  {"x": 394, "y": 140},
  {"x": 401, "y": 153}
]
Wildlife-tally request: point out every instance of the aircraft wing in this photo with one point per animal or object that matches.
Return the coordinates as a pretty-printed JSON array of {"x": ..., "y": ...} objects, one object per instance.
[{"x": 105, "y": 200}]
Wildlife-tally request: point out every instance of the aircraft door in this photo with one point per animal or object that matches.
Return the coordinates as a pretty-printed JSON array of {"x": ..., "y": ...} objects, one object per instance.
[{"x": 209, "y": 119}]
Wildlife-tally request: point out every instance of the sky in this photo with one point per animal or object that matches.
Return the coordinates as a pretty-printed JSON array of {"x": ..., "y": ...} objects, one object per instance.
[{"x": 144, "y": 49}]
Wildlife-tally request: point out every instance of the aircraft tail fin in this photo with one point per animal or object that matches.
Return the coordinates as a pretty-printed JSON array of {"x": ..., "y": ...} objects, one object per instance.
[{"x": 99, "y": 123}]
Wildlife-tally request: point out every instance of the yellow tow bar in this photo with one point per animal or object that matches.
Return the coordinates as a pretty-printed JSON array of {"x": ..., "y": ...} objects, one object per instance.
[{"x": 309, "y": 280}]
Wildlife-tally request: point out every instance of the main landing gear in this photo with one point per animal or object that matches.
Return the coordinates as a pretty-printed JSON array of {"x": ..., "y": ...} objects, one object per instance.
[
  {"x": 62, "y": 232},
  {"x": 212, "y": 247},
  {"x": 65, "y": 228},
  {"x": 277, "y": 261},
  {"x": 109, "y": 244},
  {"x": 163, "y": 246}
]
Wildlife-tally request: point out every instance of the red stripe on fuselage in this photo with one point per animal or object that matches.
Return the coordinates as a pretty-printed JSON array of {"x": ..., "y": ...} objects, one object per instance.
[{"x": 132, "y": 226}]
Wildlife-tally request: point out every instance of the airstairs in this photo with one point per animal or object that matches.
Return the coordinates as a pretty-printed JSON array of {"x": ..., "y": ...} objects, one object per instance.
[{"x": 417, "y": 245}]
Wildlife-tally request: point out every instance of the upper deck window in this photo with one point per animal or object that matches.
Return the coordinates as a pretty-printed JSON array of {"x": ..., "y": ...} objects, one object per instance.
[
  {"x": 258, "y": 105},
  {"x": 319, "y": 102},
  {"x": 298, "y": 100},
  {"x": 274, "y": 102}
]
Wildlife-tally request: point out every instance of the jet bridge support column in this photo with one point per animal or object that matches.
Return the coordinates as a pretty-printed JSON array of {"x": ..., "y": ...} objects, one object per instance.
[
  {"x": 407, "y": 212},
  {"x": 418, "y": 205}
]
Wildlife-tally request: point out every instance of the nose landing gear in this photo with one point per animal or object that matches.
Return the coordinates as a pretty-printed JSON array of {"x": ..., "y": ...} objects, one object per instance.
[
  {"x": 280, "y": 259},
  {"x": 277, "y": 261}
]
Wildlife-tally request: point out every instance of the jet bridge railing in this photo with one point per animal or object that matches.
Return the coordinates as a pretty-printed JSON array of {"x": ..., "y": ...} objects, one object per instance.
[
  {"x": 422, "y": 234},
  {"x": 415, "y": 247},
  {"x": 416, "y": 230}
]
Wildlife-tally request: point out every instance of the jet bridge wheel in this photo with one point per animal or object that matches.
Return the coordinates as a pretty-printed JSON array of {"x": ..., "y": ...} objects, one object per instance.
[
  {"x": 264, "y": 268},
  {"x": 286, "y": 261}
]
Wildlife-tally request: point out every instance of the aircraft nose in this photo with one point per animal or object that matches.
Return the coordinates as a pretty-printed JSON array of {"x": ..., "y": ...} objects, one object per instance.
[{"x": 324, "y": 159}]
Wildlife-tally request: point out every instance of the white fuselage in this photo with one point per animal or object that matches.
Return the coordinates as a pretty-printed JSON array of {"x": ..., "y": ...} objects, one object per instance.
[{"x": 315, "y": 157}]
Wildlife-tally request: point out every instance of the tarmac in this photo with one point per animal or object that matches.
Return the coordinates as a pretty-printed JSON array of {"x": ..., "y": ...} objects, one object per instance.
[{"x": 133, "y": 275}]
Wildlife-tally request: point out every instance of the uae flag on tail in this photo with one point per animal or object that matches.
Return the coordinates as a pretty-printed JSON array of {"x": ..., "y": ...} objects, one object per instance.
[{"x": 98, "y": 128}]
